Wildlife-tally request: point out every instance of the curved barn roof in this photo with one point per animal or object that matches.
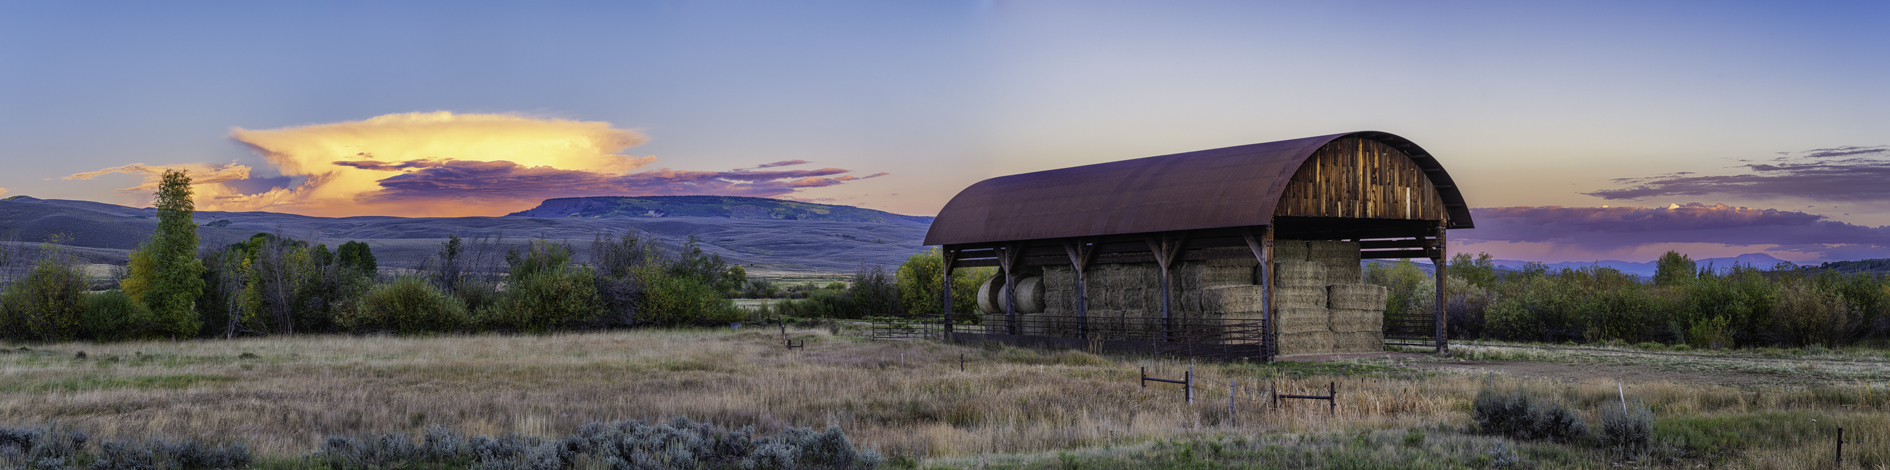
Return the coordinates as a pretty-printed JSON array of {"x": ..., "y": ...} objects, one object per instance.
[{"x": 1226, "y": 187}]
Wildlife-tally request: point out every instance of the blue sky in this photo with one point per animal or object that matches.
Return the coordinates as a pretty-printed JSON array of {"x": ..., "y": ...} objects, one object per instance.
[{"x": 1527, "y": 103}]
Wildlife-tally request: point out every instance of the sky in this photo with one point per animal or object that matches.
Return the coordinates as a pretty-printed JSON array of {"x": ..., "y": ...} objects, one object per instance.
[{"x": 1577, "y": 130}]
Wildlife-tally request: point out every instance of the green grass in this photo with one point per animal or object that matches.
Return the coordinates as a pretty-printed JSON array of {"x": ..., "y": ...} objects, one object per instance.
[{"x": 1370, "y": 449}]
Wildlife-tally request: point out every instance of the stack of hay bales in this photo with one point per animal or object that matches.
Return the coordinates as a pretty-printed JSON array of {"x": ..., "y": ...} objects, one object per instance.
[
  {"x": 1299, "y": 308},
  {"x": 1358, "y": 317},
  {"x": 1341, "y": 259}
]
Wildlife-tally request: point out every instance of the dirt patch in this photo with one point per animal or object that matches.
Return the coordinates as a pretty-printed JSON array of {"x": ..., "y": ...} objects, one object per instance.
[{"x": 1563, "y": 372}]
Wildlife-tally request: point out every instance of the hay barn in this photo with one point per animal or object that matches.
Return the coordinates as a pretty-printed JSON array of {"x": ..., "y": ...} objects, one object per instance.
[{"x": 1246, "y": 252}]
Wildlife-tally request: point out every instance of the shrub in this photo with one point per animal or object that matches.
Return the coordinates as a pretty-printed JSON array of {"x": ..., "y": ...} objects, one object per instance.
[
  {"x": 1808, "y": 314},
  {"x": 408, "y": 305},
  {"x": 39, "y": 448},
  {"x": 917, "y": 281},
  {"x": 1525, "y": 414},
  {"x": 112, "y": 315},
  {"x": 1629, "y": 430},
  {"x": 549, "y": 298},
  {"x": 48, "y": 304},
  {"x": 681, "y": 443},
  {"x": 678, "y": 300}
]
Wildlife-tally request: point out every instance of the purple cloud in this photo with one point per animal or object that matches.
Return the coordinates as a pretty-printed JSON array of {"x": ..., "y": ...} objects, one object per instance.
[
  {"x": 449, "y": 180},
  {"x": 783, "y": 163},
  {"x": 1613, "y": 228},
  {"x": 1851, "y": 174}
]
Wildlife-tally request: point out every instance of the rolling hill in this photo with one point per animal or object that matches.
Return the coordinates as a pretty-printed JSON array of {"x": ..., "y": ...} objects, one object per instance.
[{"x": 762, "y": 234}]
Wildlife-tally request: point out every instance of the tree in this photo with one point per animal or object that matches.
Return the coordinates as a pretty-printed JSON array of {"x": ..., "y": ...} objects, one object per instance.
[
  {"x": 918, "y": 284},
  {"x": 1480, "y": 271},
  {"x": 176, "y": 275},
  {"x": 357, "y": 257},
  {"x": 1673, "y": 269}
]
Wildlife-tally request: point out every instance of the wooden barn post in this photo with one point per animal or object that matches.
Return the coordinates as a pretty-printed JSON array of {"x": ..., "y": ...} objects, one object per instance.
[
  {"x": 1166, "y": 248},
  {"x": 949, "y": 255},
  {"x": 1263, "y": 251},
  {"x": 1080, "y": 252},
  {"x": 1012, "y": 253},
  {"x": 1439, "y": 262}
]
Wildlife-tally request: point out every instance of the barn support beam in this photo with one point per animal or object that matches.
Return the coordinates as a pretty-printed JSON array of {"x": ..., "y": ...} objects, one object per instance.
[
  {"x": 1081, "y": 252},
  {"x": 949, "y": 255},
  {"x": 1439, "y": 262},
  {"x": 1008, "y": 258},
  {"x": 1166, "y": 247},
  {"x": 1262, "y": 247}
]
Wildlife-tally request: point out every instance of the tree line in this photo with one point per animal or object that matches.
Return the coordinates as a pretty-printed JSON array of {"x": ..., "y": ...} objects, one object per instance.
[
  {"x": 274, "y": 284},
  {"x": 1682, "y": 304}
]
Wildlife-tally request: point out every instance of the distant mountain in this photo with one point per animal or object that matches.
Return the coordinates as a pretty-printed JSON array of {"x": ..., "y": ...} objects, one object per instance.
[
  {"x": 807, "y": 238},
  {"x": 728, "y": 207},
  {"x": 1643, "y": 269}
]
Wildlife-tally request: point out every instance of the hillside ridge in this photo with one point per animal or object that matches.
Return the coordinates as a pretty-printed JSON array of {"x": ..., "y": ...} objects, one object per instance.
[{"x": 731, "y": 207}]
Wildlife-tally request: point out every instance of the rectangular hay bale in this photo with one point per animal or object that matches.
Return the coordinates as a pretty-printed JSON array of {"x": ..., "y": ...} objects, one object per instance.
[
  {"x": 1361, "y": 296},
  {"x": 1289, "y": 250},
  {"x": 1353, "y": 320},
  {"x": 1302, "y": 319},
  {"x": 1298, "y": 274},
  {"x": 1314, "y": 342}
]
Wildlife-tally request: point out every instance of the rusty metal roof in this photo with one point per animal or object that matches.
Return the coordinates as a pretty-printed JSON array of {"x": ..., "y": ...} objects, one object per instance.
[{"x": 1225, "y": 187}]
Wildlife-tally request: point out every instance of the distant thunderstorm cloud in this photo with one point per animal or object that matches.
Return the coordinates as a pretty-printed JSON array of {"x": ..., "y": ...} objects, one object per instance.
[{"x": 446, "y": 164}]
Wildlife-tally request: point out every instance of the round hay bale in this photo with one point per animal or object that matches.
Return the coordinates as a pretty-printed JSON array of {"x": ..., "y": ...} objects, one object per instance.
[
  {"x": 1353, "y": 320},
  {"x": 1289, "y": 297},
  {"x": 989, "y": 301},
  {"x": 1289, "y": 250},
  {"x": 1302, "y": 319},
  {"x": 1359, "y": 296},
  {"x": 1298, "y": 274},
  {"x": 1030, "y": 295}
]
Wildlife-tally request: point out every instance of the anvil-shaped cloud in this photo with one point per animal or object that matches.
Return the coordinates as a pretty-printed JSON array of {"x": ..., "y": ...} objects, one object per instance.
[{"x": 446, "y": 164}]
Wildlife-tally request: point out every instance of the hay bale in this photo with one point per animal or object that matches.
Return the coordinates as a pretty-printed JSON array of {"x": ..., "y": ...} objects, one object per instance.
[
  {"x": 1343, "y": 271},
  {"x": 1331, "y": 249},
  {"x": 1302, "y": 319},
  {"x": 1298, "y": 274},
  {"x": 1288, "y": 297},
  {"x": 1353, "y": 320},
  {"x": 1289, "y": 250},
  {"x": 1030, "y": 295},
  {"x": 1340, "y": 258},
  {"x": 1233, "y": 299},
  {"x": 1218, "y": 276},
  {"x": 1312, "y": 342},
  {"x": 989, "y": 301},
  {"x": 1246, "y": 260},
  {"x": 1360, "y": 296},
  {"x": 1059, "y": 288},
  {"x": 1358, "y": 342}
]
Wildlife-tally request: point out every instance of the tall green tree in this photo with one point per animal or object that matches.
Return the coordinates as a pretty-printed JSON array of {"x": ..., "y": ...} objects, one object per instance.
[
  {"x": 917, "y": 281},
  {"x": 177, "y": 277},
  {"x": 1673, "y": 269}
]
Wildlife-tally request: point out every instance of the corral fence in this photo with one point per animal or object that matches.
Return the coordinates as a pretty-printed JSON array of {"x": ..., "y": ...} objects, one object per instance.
[{"x": 1203, "y": 338}]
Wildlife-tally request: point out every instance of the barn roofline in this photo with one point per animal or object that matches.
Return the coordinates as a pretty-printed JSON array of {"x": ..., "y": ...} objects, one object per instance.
[{"x": 1236, "y": 186}]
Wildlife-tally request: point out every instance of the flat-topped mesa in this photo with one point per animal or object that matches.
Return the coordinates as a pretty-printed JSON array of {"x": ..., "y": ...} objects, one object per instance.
[{"x": 728, "y": 207}]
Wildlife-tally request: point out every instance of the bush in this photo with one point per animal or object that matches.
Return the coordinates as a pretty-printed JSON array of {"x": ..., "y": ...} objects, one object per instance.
[
  {"x": 47, "y": 305},
  {"x": 1627, "y": 431},
  {"x": 548, "y": 298},
  {"x": 39, "y": 448},
  {"x": 112, "y": 315},
  {"x": 1808, "y": 314},
  {"x": 678, "y": 300},
  {"x": 681, "y": 443},
  {"x": 408, "y": 305},
  {"x": 1524, "y": 414}
]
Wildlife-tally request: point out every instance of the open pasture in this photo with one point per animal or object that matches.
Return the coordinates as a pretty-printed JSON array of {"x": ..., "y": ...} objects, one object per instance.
[{"x": 1007, "y": 407}]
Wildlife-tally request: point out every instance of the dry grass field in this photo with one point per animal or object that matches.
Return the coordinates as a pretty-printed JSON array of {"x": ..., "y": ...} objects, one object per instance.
[{"x": 1007, "y": 408}]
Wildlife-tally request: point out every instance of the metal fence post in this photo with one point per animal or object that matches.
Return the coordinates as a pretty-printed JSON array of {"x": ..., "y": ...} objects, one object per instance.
[
  {"x": 1188, "y": 384},
  {"x": 1840, "y": 448}
]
